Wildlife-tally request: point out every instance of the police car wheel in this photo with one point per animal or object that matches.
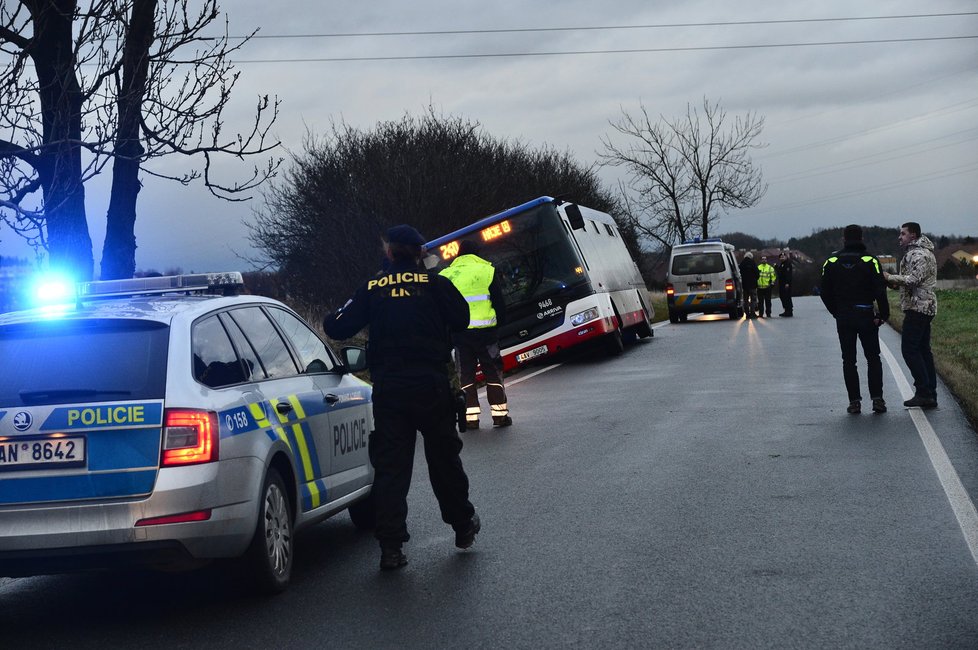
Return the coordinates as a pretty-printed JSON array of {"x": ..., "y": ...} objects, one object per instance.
[
  {"x": 363, "y": 513},
  {"x": 270, "y": 555}
]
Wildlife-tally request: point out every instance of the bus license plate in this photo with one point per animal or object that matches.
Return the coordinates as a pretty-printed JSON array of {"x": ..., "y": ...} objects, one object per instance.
[
  {"x": 42, "y": 453},
  {"x": 530, "y": 354}
]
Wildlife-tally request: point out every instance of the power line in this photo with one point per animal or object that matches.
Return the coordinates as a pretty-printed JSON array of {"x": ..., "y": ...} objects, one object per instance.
[
  {"x": 523, "y": 30},
  {"x": 703, "y": 48}
]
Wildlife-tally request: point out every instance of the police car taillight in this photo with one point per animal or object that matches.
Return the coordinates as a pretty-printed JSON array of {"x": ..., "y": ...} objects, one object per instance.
[
  {"x": 670, "y": 290},
  {"x": 189, "y": 437},
  {"x": 728, "y": 285}
]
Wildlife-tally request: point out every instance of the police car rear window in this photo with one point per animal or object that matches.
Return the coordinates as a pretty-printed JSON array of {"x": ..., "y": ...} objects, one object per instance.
[
  {"x": 64, "y": 362},
  {"x": 697, "y": 264}
]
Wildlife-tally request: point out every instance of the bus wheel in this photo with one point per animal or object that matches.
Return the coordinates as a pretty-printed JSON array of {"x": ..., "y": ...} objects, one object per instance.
[{"x": 614, "y": 343}]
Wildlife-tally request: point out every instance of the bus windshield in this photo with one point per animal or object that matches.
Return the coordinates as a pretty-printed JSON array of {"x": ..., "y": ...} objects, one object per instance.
[{"x": 532, "y": 254}]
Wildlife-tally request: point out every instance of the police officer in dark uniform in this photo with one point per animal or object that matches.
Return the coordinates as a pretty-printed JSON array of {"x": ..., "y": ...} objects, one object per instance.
[
  {"x": 411, "y": 314},
  {"x": 852, "y": 281}
]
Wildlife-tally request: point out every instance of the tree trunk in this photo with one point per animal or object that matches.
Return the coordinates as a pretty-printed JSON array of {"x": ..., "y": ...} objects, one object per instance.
[
  {"x": 60, "y": 169},
  {"x": 119, "y": 249}
]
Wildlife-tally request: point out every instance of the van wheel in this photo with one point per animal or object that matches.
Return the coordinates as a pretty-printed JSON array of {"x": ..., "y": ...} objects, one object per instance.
[
  {"x": 363, "y": 513},
  {"x": 269, "y": 557},
  {"x": 673, "y": 317}
]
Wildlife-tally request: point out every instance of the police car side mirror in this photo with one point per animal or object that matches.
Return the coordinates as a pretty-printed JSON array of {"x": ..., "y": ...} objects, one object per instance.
[
  {"x": 354, "y": 358},
  {"x": 574, "y": 216}
]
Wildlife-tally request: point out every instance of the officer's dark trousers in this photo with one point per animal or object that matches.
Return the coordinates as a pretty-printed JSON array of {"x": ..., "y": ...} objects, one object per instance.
[
  {"x": 403, "y": 406},
  {"x": 784, "y": 293},
  {"x": 853, "y": 324},
  {"x": 480, "y": 348},
  {"x": 915, "y": 346},
  {"x": 764, "y": 300}
]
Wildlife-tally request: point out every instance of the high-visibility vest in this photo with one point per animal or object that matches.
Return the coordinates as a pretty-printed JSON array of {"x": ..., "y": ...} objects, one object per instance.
[
  {"x": 472, "y": 276},
  {"x": 767, "y": 275}
]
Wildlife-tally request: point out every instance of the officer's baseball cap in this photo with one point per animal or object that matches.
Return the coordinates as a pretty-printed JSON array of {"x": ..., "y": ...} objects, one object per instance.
[{"x": 405, "y": 234}]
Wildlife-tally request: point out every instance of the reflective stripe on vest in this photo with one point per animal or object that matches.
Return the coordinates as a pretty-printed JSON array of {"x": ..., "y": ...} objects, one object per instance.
[{"x": 472, "y": 276}]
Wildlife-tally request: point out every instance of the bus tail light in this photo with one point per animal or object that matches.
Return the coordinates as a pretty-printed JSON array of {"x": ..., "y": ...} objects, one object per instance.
[{"x": 189, "y": 437}]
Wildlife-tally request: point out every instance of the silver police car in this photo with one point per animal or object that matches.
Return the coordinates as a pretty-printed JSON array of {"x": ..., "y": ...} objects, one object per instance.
[{"x": 143, "y": 424}]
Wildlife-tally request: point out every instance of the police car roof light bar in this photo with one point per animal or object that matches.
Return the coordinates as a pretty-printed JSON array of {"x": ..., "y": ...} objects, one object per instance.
[{"x": 220, "y": 283}]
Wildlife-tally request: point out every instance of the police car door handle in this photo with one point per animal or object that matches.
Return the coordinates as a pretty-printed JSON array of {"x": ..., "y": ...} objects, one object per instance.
[
  {"x": 331, "y": 398},
  {"x": 283, "y": 407}
]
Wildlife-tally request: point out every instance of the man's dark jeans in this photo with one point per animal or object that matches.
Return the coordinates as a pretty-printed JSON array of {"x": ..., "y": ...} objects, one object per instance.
[
  {"x": 915, "y": 346},
  {"x": 852, "y": 324}
]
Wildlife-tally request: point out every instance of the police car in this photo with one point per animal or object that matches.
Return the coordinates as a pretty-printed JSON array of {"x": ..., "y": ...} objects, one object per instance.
[
  {"x": 141, "y": 423},
  {"x": 703, "y": 277}
]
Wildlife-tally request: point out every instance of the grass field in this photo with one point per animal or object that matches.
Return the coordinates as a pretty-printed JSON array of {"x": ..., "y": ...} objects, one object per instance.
[{"x": 954, "y": 341}]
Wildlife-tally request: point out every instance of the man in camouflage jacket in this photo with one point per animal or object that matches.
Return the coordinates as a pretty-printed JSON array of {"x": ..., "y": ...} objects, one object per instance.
[{"x": 916, "y": 281}]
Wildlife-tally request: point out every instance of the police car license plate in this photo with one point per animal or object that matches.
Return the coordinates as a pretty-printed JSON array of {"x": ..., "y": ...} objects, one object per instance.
[
  {"x": 529, "y": 354},
  {"x": 42, "y": 453},
  {"x": 699, "y": 286}
]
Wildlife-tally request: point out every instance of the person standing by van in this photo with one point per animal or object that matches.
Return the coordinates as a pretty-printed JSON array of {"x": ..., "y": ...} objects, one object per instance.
[
  {"x": 765, "y": 286},
  {"x": 748, "y": 276},
  {"x": 851, "y": 282},
  {"x": 785, "y": 268}
]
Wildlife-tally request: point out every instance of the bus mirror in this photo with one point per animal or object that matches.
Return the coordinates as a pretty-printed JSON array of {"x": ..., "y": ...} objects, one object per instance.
[
  {"x": 430, "y": 261},
  {"x": 574, "y": 216}
]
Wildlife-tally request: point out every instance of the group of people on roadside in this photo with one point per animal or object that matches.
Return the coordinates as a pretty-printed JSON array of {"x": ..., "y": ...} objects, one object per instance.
[
  {"x": 758, "y": 283},
  {"x": 854, "y": 291}
]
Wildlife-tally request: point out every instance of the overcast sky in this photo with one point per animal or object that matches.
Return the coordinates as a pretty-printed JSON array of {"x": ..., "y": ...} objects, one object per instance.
[{"x": 868, "y": 132}]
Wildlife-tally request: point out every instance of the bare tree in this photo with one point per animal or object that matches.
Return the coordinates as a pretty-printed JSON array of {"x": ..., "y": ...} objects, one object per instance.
[
  {"x": 120, "y": 81},
  {"x": 682, "y": 174}
]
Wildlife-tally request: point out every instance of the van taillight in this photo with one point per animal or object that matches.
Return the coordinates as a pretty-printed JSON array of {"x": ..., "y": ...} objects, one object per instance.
[
  {"x": 189, "y": 437},
  {"x": 728, "y": 285},
  {"x": 670, "y": 290}
]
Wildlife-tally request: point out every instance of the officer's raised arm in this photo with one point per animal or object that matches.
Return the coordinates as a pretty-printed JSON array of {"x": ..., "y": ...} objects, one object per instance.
[{"x": 350, "y": 318}]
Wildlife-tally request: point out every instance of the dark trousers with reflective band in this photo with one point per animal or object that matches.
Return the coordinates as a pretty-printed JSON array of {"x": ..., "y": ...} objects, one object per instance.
[
  {"x": 750, "y": 302},
  {"x": 480, "y": 348},
  {"x": 764, "y": 300},
  {"x": 784, "y": 293},
  {"x": 853, "y": 324},
  {"x": 915, "y": 346},
  {"x": 402, "y": 407}
]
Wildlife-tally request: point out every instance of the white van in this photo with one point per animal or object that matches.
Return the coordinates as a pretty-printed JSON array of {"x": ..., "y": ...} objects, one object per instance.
[{"x": 703, "y": 278}]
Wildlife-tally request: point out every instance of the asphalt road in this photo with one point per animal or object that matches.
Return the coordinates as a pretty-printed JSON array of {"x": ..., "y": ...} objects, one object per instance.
[{"x": 704, "y": 490}]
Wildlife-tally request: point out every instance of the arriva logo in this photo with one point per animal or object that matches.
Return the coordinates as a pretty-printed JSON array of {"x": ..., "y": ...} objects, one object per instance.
[{"x": 23, "y": 421}]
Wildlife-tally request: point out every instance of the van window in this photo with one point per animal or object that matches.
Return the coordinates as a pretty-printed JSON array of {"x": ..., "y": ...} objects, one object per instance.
[{"x": 697, "y": 264}]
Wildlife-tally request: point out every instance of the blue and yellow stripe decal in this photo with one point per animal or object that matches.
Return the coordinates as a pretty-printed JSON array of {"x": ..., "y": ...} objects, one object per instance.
[
  {"x": 297, "y": 436},
  {"x": 694, "y": 299}
]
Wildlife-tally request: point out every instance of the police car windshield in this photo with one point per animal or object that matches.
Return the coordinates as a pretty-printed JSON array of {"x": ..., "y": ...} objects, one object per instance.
[{"x": 92, "y": 360}]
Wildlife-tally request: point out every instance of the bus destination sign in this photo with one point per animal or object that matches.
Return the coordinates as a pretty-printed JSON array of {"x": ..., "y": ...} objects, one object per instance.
[{"x": 490, "y": 233}]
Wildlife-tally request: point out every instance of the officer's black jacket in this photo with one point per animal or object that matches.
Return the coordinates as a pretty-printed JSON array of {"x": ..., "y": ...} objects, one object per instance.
[
  {"x": 850, "y": 278},
  {"x": 411, "y": 314}
]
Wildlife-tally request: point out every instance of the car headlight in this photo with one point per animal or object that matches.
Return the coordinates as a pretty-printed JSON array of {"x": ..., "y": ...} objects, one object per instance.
[{"x": 582, "y": 317}]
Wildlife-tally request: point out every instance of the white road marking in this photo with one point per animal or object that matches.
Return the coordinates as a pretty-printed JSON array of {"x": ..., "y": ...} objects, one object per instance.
[{"x": 961, "y": 504}]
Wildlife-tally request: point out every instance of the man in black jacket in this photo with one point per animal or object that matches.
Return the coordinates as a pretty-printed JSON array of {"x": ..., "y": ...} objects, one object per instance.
[
  {"x": 852, "y": 282},
  {"x": 785, "y": 269},
  {"x": 748, "y": 276},
  {"x": 410, "y": 313}
]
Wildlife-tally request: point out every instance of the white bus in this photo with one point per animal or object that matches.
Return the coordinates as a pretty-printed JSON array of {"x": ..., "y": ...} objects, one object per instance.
[{"x": 567, "y": 277}]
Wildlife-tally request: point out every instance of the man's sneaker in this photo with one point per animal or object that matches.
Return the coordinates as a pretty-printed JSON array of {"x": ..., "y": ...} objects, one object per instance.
[
  {"x": 879, "y": 405},
  {"x": 466, "y": 537},
  {"x": 921, "y": 401},
  {"x": 854, "y": 407},
  {"x": 391, "y": 558},
  {"x": 502, "y": 420}
]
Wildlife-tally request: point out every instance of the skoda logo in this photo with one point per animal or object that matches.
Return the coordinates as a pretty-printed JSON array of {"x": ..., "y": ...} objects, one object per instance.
[{"x": 23, "y": 421}]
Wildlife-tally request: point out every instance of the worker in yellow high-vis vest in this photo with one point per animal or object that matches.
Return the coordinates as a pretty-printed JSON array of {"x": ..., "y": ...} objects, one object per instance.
[
  {"x": 766, "y": 277},
  {"x": 478, "y": 346}
]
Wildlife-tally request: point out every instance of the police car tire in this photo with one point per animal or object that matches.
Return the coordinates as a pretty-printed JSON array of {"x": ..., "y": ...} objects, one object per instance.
[
  {"x": 363, "y": 513},
  {"x": 673, "y": 317},
  {"x": 269, "y": 557}
]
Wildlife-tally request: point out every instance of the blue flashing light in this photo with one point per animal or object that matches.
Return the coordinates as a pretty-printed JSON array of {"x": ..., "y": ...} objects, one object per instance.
[{"x": 53, "y": 290}]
